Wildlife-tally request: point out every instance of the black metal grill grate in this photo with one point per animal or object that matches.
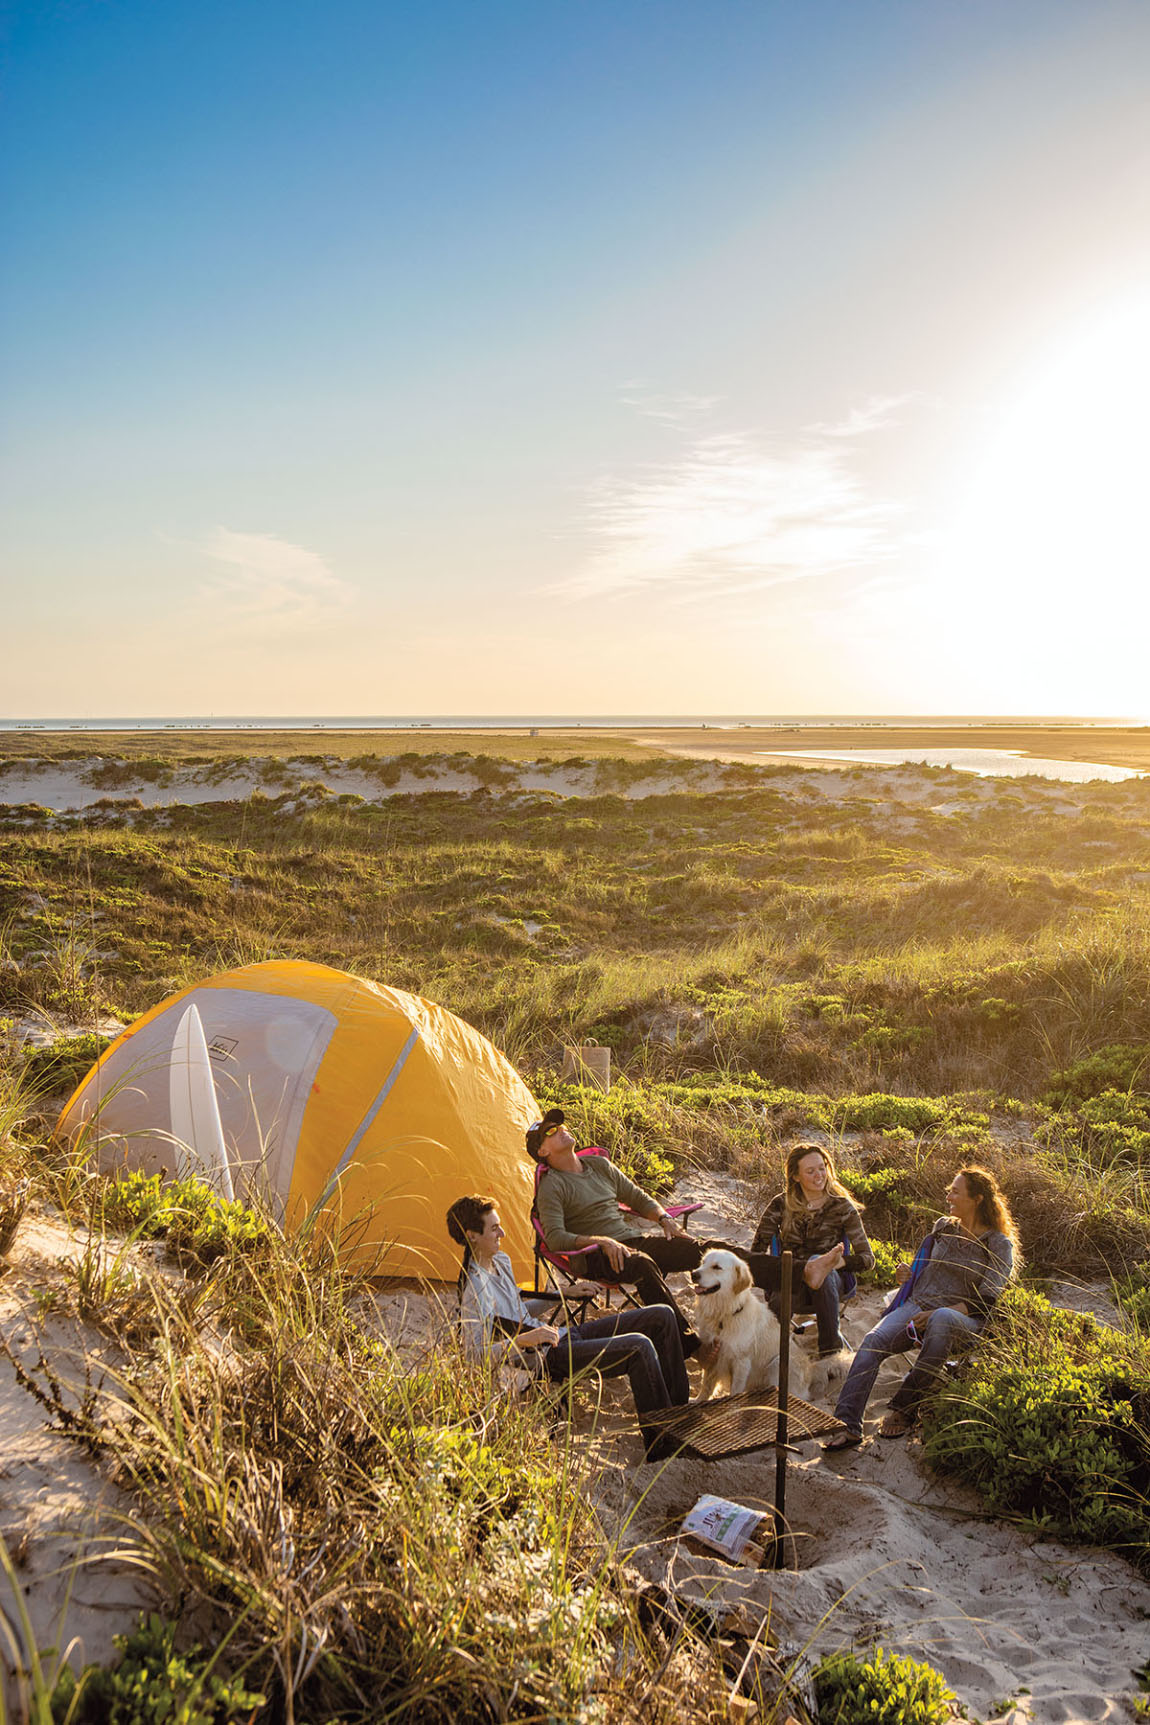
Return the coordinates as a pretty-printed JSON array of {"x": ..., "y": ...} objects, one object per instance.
[{"x": 735, "y": 1425}]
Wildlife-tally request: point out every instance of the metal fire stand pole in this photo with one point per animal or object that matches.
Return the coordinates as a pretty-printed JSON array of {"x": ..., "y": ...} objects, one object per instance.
[{"x": 782, "y": 1539}]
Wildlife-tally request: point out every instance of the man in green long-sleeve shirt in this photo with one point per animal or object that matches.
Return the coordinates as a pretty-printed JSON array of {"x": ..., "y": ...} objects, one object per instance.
[{"x": 577, "y": 1203}]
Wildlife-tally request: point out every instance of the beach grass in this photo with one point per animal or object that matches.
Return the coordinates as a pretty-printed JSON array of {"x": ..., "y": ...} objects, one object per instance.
[{"x": 363, "y": 1533}]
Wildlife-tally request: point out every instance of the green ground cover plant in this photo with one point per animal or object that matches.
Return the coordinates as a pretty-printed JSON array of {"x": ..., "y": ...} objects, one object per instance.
[
  {"x": 1050, "y": 1420},
  {"x": 152, "y": 1684},
  {"x": 198, "y": 1224},
  {"x": 881, "y": 1688},
  {"x": 62, "y": 1065},
  {"x": 1132, "y": 1291}
]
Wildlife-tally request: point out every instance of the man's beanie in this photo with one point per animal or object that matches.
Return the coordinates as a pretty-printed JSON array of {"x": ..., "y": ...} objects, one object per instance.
[{"x": 538, "y": 1130}]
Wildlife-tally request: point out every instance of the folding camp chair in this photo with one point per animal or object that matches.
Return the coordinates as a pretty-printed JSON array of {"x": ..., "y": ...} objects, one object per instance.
[
  {"x": 564, "y": 1267},
  {"x": 801, "y": 1320}
]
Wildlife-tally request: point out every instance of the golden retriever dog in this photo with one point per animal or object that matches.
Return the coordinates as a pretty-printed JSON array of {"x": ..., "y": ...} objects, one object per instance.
[{"x": 730, "y": 1310}]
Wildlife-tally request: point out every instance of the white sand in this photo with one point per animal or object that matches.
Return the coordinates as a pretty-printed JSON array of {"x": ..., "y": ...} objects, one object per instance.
[
  {"x": 57, "y": 1513},
  {"x": 68, "y": 788}
]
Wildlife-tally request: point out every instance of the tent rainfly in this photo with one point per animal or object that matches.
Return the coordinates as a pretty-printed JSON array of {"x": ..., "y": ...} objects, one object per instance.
[{"x": 334, "y": 1094}]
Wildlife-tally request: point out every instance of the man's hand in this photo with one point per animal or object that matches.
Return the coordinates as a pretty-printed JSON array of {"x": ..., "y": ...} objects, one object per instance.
[
  {"x": 901, "y": 1273},
  {"x": 613, "y": 1250},
  {"x": 670, "y": 1227}
]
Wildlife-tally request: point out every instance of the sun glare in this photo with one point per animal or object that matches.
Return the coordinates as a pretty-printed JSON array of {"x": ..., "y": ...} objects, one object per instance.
[{"x": 1052, "y": 541}]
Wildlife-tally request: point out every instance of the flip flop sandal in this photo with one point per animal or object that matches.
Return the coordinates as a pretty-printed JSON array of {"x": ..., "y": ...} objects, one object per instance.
[{"x": 843, "y": 1440}]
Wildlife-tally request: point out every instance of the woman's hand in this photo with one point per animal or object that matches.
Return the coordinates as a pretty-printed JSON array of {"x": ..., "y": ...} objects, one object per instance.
[
  {"x": 902, "y": 1273},
  {"x": 545, "y": 1336}
]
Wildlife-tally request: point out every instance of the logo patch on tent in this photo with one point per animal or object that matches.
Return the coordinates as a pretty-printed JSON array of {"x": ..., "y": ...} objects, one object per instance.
[{"x": 222, "y": 1047}]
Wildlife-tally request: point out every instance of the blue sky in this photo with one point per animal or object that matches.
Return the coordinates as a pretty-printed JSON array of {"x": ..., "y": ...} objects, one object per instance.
[{"x": 574, "y": 357}]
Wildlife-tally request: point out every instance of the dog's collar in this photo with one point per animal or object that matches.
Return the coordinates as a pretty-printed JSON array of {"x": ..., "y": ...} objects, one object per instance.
[{"x": 733, "y": 1313}]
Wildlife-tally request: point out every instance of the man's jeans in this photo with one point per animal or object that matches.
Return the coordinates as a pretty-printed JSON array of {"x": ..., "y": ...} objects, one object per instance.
[
  {"x": 941, "y": 1332},
  {"x": 645, "y": 1344}
]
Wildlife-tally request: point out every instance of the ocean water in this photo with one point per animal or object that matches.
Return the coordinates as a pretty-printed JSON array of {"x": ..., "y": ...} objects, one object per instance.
[
  {"x": 488, "y": 721},
  {"x": 988, "y": 763}
]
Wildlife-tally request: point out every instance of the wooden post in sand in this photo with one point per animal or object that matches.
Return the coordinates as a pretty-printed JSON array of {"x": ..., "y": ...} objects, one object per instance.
[
  {"x": 587, "y": 1064},
  {"x": 783, "y": 1541}
]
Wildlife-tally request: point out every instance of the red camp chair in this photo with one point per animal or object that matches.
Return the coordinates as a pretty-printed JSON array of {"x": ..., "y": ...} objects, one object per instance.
[{"x": 564, "y": 1267}]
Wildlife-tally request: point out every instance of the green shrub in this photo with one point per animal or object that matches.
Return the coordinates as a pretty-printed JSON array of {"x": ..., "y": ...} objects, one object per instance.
[
  {"x": 151, "y": 1684},
  {"x": 196, "y": 1221},
  {"x": 884, "y": 1183},
  {"x": 888, "y": 1254},
  {"x": 65, "y": 1063},
  {"x": 136, "y": 1204},
  {"x": 1049, "y": 1421},
  {"x": 920, "y": 1113},
  {"x": 1118, "y": 1066},
  {"x": 204, "y": 1226},
  {"x": 881, "y": 1689},
  {"x": 1132, "y": 1292},
  {"x": 1115, "y": 1123}
]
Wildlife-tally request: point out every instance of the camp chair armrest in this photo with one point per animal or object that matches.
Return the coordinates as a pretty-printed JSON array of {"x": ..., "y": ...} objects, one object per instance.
[
  {"x": 675, "y": 1211},
  {"x": 683, "y": 1211}
]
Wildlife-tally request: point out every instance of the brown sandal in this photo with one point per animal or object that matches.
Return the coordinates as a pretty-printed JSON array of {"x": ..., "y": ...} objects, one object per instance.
[{"x": 896, "y": 1424}]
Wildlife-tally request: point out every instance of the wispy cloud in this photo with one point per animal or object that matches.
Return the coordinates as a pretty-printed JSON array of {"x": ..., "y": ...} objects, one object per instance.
[
  {"x": 734, "y": 514},
  {"x": 878, "y": 413},
  {"x": 678, "y": 411},
  {"x": 267, "y": 582}
]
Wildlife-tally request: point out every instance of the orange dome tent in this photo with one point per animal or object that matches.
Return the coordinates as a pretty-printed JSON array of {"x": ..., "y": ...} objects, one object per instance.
[{"x": 373, "y": 1105}]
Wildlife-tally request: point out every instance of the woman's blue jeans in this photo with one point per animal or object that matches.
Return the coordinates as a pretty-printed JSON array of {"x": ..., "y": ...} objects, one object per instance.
[
  {"x": 941, "y": 1331},
  {"x": 824, "y": 1302}
]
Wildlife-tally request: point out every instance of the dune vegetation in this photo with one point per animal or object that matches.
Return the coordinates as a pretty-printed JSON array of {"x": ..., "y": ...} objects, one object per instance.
[{"x": 958, "y": 976}]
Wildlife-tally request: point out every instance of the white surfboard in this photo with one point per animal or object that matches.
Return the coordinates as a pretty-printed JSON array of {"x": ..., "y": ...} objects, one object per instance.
[{"x": 196, "y": 1126}]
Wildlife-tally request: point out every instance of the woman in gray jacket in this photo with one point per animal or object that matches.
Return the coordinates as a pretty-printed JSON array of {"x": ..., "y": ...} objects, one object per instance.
[{"x": 944, "y": 1298}]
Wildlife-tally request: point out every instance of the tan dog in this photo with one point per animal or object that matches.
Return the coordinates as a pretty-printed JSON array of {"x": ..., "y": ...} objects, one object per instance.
[{"x": 728, "y": 1310}]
